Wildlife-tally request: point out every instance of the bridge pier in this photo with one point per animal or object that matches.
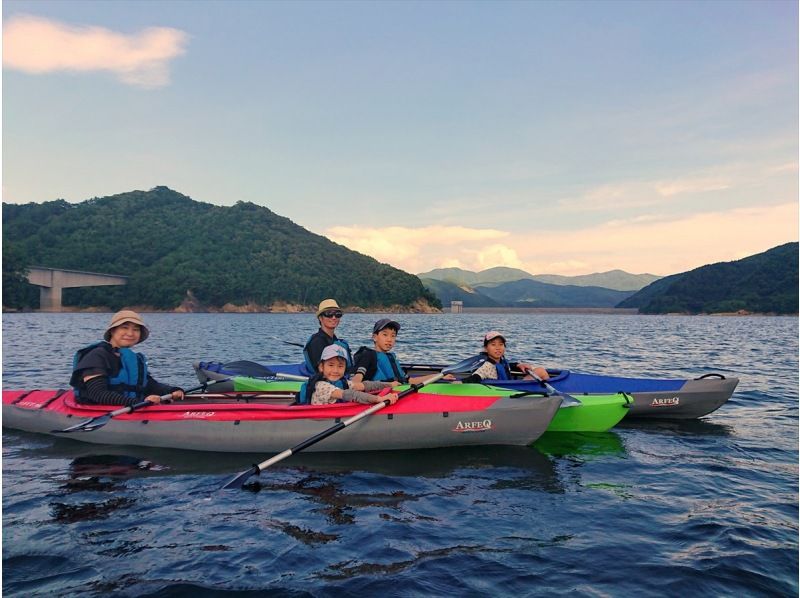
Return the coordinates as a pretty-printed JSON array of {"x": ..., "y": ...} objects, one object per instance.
[
  {"x": 50, "y": 299},
  {"x": 52, "y": 281}
]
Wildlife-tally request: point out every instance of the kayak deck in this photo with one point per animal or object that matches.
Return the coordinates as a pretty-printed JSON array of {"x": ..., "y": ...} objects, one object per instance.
[{"x": 247, "y": 423}]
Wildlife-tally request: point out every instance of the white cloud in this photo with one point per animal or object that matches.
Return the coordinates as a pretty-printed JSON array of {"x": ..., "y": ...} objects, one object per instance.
[
  {"x": 36, "y": 45},
  {"x": 497, "y": 255},
  {"x": 657, "y": 246},
  {"x": 413, "y": 248},
  {"x": 691, "y": 185}
]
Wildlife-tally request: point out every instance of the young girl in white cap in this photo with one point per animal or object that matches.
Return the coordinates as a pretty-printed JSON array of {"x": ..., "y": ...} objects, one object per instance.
[
  {"x": 109, "y": 372},
  {"x": 496, "y": 367},
  {"x": 331, "y": 386}
]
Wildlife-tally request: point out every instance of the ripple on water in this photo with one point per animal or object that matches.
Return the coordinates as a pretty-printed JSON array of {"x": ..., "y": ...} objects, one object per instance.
[{"x": 698, "y": 507}]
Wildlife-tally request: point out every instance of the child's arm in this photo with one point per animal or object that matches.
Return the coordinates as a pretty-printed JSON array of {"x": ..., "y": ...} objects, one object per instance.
[
  {"x": 527, "y": 368},
  {"x": 358, "y": 396},
  {"x": 424, "y": 379}
]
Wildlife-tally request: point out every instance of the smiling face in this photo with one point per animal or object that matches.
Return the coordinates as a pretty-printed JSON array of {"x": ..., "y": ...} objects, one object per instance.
[
  {"x": 385, "y": 339},
  {"x": 125, "y": 335},
  {"x": 333, "y": 369},
  {"x": 330, "y": 319},
  {"x": 496, "y": 348}
]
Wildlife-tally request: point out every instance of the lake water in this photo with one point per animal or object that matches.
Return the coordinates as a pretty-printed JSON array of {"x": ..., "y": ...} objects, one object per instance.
[{"x": 704, "y": 507}]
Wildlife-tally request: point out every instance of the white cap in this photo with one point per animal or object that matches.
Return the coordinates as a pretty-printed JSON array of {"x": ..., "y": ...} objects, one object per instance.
[{"x": 332, "y": 351}]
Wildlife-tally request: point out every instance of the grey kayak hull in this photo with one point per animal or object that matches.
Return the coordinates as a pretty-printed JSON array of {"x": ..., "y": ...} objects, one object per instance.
[{"x": 505, "y": 422}]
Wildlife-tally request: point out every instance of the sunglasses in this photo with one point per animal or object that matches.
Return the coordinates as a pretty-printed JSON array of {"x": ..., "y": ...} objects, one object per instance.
[{"x": 332, "y": 314}]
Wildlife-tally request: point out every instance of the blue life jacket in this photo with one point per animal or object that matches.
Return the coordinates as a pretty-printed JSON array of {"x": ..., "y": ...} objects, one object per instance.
[
  {"x": 388, "y": 369},
  {"x": 312, "y": 367},
  {"x": 503, "y": 368},
  {"x": 307, "y": 390},
  {"x": 132, "y": 377}
]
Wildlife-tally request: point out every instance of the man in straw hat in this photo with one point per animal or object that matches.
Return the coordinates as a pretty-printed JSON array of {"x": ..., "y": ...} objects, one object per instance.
[
  {"x": 109, "y": 372},
  {"x": 329, "y": 315}
]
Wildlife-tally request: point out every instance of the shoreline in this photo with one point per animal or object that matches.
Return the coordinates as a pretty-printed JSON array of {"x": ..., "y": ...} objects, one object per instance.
[{"x": 467, "y": 310}]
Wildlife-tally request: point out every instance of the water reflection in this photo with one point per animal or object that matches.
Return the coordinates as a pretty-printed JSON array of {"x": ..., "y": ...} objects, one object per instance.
[
  {"x": 679, "y": 427},
  {"x": 581, "y": 445}
]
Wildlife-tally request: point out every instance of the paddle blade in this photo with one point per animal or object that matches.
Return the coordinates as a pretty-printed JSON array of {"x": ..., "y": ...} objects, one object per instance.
[
  {"x": 467, "y": 366},
  {"x": 86, "y": 425},
  {"x": 237, "y": 482},
  {"x": 251, "y": 369}
]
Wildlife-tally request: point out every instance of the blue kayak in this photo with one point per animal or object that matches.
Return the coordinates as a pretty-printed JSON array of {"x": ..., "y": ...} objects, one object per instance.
[{"x": 654, "y": 398}]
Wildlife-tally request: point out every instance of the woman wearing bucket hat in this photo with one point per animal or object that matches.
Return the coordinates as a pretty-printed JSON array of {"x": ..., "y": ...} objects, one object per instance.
[
  {"x": 109, "y": 372},
  {"x": 329, "y": 315},
  {"x": 496, "y": 366}
]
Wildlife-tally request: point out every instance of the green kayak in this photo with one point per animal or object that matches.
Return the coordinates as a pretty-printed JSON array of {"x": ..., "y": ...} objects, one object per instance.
[{"x": 595, "y": 413}]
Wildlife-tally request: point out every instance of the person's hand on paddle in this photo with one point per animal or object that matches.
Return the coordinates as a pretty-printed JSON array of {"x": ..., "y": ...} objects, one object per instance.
[
  {"x": 526, "y": 368},
  {"x": 175, "y": 395},
  {"x": 391, "y": 397}
]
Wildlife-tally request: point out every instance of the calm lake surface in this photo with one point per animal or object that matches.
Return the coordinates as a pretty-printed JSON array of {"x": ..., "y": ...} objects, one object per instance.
[{"x": 703, "y": 507}]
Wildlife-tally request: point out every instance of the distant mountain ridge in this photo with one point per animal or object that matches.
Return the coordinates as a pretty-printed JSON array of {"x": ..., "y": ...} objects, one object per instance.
[
  {"x": 525, "y": 293},
  {"x": 617, "y": 280},
  {"x": 763, "y": 283}
]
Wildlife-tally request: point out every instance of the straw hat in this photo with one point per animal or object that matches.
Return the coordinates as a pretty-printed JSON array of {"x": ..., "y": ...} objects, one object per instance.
[
  {"x": 123, "y": 316},
  {"x": 327, "y": 304}
]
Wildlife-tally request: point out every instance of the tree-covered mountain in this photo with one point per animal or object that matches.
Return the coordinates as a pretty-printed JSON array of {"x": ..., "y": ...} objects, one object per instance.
[
  {"x": 618, "y": 280},
  {"x": 447, "y": 292},
  {"x": 532, "y": 293},
  {"x": 525, "y": 293},
  {"x": 762, "y": 283},
  {"x": 460, "y": 277},
  {"x": 173, "y": 247}
]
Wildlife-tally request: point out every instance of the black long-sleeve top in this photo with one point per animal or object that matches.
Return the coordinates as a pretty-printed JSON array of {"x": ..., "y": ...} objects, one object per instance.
[{"x": 104, "y": 363}]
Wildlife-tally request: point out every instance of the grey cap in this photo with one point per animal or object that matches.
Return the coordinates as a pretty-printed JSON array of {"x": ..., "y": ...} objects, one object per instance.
[{"x": 385, "y": 323}]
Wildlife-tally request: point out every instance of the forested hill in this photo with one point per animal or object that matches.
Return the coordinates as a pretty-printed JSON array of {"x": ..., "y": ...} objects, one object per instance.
[
  {"x": 762, "y": 283},
  {"x": 174, "y": 248}
]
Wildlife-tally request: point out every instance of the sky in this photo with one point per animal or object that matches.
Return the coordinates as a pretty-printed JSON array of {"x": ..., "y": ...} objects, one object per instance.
[{"x": 556, "y": 137}]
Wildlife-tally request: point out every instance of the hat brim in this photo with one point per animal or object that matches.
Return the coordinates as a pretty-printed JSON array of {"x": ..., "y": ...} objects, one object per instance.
[{"x": 144, "y": 330}]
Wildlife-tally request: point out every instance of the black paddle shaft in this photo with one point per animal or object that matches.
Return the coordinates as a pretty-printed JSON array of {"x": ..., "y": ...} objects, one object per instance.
[{"x": 239, "y": 480}]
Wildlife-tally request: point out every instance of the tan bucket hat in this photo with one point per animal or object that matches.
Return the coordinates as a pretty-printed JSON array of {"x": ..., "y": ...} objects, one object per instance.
[
  {"x": 123, "y": 316},
  {"x": 327, "y": 304}
]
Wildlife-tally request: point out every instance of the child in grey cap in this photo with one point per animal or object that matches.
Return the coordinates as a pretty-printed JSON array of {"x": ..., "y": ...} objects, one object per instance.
[{"x": 329, "y": 385}]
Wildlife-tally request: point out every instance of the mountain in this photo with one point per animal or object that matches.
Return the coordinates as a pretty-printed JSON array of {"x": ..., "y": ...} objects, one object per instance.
[
  {"x": 762, "y": 283},
  {"x": 175, "y": 249},
  {"x": 447, "y": 292},
  {"x": 618, "y": 280},
  {"x": 532, "y": 293},
  {"x": 459, "y": 277}
]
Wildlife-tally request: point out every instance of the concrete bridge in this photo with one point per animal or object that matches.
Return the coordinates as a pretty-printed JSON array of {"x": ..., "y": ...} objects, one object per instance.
[{"x": 52, "y": 280}]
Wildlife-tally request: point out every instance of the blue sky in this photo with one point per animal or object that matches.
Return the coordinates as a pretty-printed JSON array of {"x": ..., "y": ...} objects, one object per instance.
[{"x": 557, "y": 137}]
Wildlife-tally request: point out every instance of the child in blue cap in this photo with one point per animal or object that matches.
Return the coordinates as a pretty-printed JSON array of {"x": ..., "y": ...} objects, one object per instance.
[{"x": 380, "y": 363}]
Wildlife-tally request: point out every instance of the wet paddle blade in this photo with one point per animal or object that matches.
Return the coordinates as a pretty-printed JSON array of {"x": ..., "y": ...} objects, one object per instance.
[
  {"x": 237, "y": 482},
  {"x": 86, "y": 425}
]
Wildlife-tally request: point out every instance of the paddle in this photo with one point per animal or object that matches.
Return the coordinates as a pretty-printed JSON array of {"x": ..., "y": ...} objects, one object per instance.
[
  {"x": 251, "y": 369},
  {"x": 465, "y": 366},
  {"x": 285, "y": 342},
  {"x": 93, "y": 423},
  {"x": 566, "y": 400}
]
